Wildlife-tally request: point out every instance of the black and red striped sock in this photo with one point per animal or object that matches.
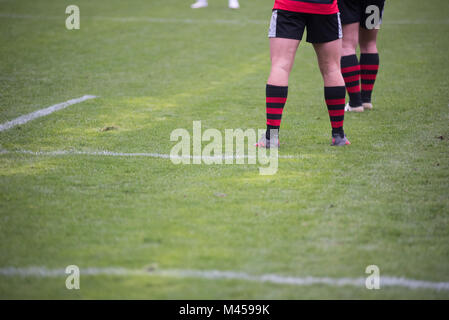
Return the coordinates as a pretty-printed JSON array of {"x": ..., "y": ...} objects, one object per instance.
[
  {"x": 276, "y": 98},
  {"x": 335, "y": 100},
  {"x": 350, "y": 69},
  {"x": 369, "y": 64}
]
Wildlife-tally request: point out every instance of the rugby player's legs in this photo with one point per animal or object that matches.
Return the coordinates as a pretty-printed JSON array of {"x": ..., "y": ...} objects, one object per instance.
[
  {"x": 350, "y": 65},
  {"x": 282, "y": 52},
  {"x": 369, "y": 63},
  {"x": 329, "y": 55}
]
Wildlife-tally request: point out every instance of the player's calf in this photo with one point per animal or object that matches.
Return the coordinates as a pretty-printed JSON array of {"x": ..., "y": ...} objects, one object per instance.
[
  {"x": 350, "y": 69},
  {"x": 369, "y": 63},
  {"x": 276, "y": 97},
  {"x": 335, "y": 101}
]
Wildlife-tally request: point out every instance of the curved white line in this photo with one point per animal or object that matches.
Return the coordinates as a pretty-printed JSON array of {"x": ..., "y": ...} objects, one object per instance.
[
  {"x": 385, "y": 281},
  {"x": 131, "y": 154}
]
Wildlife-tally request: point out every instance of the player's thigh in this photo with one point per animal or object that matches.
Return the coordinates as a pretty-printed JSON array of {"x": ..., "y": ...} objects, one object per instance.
[
  {"x": 350, "y": 38},
  {"x": 368, "y": 40},
  {"x": 286, "y": 31},
  {"x": 283, "y": 52},
  {"x": 325, "y": 33},
  {"x": 328, "y": 55}
]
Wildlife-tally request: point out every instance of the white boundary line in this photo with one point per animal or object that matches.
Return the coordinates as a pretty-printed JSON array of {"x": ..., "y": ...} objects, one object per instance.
[
  {"x": 200, "y": 21},
  {"x": 385, "y": 281},
  {"x": 42, "y": 112},
  {"x": 135, "y": 154}
]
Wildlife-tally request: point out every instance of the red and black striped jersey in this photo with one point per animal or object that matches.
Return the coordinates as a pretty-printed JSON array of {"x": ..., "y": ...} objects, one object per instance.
[{"x": 308, "y": 6}]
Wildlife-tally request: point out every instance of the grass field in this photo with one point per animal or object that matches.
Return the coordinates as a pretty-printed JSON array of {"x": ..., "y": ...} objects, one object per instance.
[{"x": 157, "y": 66}]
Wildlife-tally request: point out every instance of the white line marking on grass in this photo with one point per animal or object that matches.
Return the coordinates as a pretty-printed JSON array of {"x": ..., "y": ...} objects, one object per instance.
[
  {"x": 385, "y": 281},
  {"x": 132, "y": 154},
  {"x": 42, "y": 112},
  {"x": 87, "y": 153},
  {"x": 200, "y": 21}
]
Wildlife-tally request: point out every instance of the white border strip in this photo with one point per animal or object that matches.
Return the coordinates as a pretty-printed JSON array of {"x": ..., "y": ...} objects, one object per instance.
[
  {"x": 385, "y": 281},
  {"x": 135, "y": 154},
  {"x": 42, "y": 112}
]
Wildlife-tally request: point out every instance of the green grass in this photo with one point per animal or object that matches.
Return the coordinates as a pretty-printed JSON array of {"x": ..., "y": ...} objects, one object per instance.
[{"x": 330, "y": 212}]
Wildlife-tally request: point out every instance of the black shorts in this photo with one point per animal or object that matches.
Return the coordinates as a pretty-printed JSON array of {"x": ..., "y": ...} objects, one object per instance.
[
  {"x": 367, "y": 12},
  {"x": 320, "y": 27}
]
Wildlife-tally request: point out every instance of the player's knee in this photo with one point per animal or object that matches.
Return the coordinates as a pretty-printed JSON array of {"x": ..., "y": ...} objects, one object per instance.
[
  {"x": 350, "y": 40},
  {"x": 368, "y": 46},
  {"x": 281, "y": 66},
  {"x": 329, "y": 69},
  {"x": 349, "y": 46},
  {"x": 348, "y": 50},
  {"x": 332, "y": 79}
]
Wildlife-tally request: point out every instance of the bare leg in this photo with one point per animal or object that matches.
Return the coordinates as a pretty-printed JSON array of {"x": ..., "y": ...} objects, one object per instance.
[
  {"x": 329, "y": 55},
  {"x": 282, "y": 53},
  {"x": 368, "y": 40},
  {"x": 350, "y": 38}
]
